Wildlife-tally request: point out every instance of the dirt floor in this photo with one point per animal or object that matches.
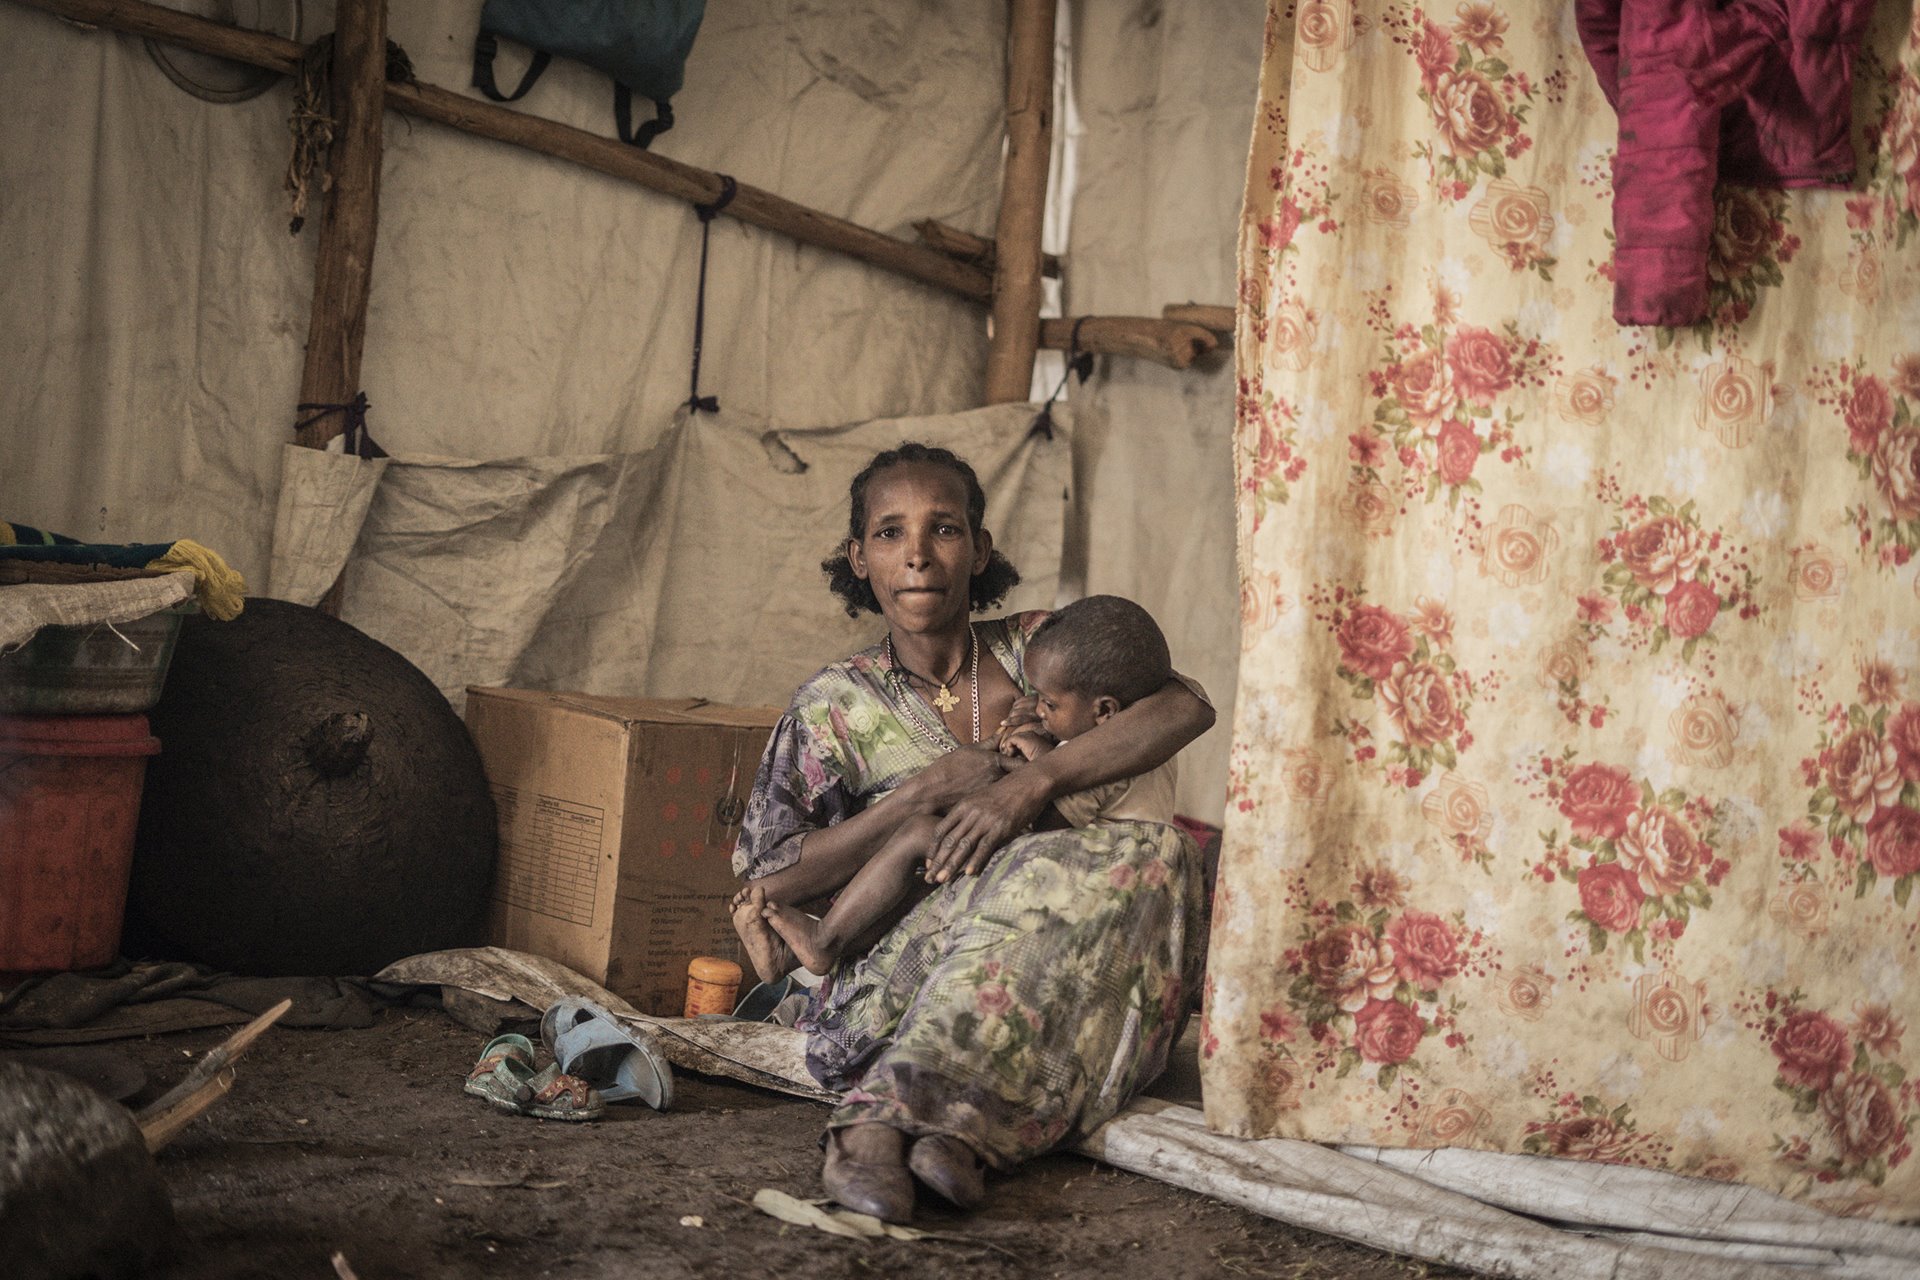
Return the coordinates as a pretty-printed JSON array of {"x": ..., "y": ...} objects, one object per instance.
[{"x": 362, "y": 1142}]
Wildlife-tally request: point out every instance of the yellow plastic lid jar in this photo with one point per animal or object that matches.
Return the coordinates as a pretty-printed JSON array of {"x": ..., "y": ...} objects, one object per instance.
[{"x": 713, "y": 986}]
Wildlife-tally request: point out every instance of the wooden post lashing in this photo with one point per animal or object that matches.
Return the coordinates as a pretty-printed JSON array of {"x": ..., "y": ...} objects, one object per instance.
[{"x": 1023, "y": 202}]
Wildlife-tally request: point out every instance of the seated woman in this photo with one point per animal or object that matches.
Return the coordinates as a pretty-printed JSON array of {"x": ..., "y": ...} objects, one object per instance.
[
  {"x": 1086, "y": 662},
  {"x": 1023, "y": 1001}
]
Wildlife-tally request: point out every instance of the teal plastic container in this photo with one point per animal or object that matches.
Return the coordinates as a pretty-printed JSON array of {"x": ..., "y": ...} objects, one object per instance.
[{"x": 94, "y": 669}]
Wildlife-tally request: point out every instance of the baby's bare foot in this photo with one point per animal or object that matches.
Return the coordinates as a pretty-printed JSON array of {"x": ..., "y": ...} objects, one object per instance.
[
  {"x": 802, "y": 933},
  {"x": 770, "y": 957}
]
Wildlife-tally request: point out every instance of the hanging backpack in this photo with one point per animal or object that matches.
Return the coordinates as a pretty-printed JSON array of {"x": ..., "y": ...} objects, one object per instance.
[{"x": 642, "y": 44}]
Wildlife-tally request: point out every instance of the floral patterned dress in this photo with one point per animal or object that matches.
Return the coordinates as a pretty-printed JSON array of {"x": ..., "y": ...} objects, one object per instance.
[{"x": 1018, "y": 1009}]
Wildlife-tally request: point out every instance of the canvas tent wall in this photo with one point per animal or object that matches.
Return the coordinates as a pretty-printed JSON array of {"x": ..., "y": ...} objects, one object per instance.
[{"x": 523, "y": 308}]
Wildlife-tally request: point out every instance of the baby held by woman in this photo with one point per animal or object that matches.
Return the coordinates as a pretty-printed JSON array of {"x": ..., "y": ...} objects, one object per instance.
[{"x": 1086, "y": 662}]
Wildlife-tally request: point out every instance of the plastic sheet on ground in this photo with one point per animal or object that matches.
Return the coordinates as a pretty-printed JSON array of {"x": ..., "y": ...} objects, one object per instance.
[
  {"x": 756, "y": 1053},
  {"x": 1507, "y": 1215}
]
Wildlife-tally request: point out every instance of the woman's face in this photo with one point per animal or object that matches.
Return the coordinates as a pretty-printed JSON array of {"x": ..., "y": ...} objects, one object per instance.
[{"x": 917, "y": 552}]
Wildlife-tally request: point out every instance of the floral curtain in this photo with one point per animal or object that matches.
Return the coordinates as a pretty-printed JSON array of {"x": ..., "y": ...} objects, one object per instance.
[{"x": 1575, "y": 798}]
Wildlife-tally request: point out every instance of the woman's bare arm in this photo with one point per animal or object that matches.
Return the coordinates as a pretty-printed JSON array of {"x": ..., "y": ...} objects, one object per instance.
[{"x": 1143, "y": 737}]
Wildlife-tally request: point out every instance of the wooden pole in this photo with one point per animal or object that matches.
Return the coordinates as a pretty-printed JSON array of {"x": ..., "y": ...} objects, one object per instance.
[
  {"x": 972, "y": 249},
  {"x": 1207, "y": 315},
  {"x": 349, "y": 219},
  {"x": 1023, "y": 202},
  {"x": 1170, "y": 342},
  {"x": 349, "y": 225},
  {"x": 750, "y": 204}
]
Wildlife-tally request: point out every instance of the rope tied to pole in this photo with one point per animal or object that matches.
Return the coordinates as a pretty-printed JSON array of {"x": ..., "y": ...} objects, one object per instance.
[{"x": 359, "y": 441}]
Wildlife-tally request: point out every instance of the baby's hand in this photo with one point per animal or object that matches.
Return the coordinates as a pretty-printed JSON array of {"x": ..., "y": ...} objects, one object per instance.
[
  {"x": 1027, "y": 743},
  {"x": 1024, "y": 712}
]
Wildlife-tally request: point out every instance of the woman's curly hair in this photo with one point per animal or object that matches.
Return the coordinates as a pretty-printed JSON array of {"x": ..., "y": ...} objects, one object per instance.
[{"x": 988, "y": 587}]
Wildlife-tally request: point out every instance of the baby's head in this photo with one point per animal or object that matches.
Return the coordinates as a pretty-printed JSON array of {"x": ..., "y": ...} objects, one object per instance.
[{"x": 1092, "y": 658}]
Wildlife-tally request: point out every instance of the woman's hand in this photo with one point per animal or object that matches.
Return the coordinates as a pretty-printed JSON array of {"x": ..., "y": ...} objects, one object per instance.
[
  {"x": 977, "y": 826},
  {"x": 952, "y": 777}
]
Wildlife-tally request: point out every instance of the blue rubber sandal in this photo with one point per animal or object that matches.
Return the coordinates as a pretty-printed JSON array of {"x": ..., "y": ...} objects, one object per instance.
[{"x": 621, "y": 1061}]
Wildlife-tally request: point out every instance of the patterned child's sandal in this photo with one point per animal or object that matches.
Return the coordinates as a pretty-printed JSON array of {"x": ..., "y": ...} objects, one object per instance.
[
  {"x": 557, "y": 1096},
  {"x": 505, "y": 1077},
  {"x": 490, "y": 1077}
]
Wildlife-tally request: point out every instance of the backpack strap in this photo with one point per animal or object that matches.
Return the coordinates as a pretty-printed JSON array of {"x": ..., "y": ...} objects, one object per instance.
[
  {"x": 485, "y": 45},
  {"x": 623, "y": 118}
]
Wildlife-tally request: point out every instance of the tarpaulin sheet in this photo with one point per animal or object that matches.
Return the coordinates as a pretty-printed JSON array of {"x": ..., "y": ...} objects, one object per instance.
[
  {"x": 688, "y": 570},
  {"x": 1166, "y": 97}
]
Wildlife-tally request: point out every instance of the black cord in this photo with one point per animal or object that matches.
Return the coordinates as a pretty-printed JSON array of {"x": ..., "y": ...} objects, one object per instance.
[
  {"x": 359, "y": 441},
  {"x": 708, "y": 212},
  {"x": 1078, "y": 361}
]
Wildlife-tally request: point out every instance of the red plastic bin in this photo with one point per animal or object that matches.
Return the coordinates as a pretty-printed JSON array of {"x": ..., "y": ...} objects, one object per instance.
[{"x": 69, "y": 804}]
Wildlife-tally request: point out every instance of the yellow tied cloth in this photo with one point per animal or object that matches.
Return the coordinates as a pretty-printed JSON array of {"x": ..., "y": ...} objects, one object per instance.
[{"x": 219, "y": 588}]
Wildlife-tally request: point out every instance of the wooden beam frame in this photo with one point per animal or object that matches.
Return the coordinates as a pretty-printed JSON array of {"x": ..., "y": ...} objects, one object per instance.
[
  {"x": 605, "y": 155},
  {"x": 349, "y": 225},
  {"x": 1207, "y": 315},
  {"x": 656, "y": 173}
]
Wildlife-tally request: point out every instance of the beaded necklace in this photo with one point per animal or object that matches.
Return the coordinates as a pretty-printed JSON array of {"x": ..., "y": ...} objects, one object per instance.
[{"x": 947, "y": 701}]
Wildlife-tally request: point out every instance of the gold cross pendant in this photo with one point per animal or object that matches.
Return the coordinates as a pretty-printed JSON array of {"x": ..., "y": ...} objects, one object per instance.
[{"x": 945, "y": 700}]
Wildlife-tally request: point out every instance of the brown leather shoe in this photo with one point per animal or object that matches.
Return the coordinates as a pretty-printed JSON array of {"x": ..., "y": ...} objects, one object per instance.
[
  {"x": 950, "y": 1167},
  {"x": 877, "y": 1187}
]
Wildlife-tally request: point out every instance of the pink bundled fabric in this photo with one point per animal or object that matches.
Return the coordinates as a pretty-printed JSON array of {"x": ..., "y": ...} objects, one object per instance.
[{"x": 1756, "y": 92}]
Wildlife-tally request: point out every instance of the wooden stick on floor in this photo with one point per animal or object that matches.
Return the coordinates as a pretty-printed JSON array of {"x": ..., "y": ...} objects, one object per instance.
[{"x": 162, "y": 1119}]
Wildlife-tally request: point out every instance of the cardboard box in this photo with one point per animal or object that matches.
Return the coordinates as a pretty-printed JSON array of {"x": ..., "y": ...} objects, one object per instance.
[{"x": 618, "y": 818}]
